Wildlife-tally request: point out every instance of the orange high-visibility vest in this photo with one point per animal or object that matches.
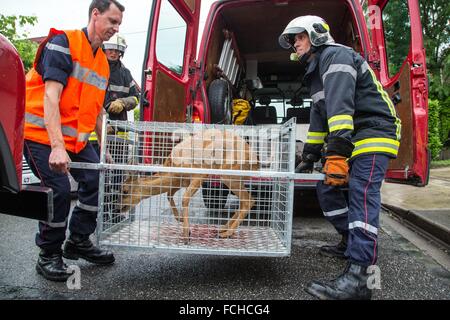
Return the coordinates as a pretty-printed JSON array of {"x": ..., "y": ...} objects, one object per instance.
[{"x": 81, "y": 100}]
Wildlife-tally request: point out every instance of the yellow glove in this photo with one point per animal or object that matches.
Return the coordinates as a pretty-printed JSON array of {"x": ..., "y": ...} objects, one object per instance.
[{"x": 116, "y": 106}]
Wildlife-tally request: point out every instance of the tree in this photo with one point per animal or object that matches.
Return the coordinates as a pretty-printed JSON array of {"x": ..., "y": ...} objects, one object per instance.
[
  {"x": 26, "y": 48},
  {"x": 436, "y": 29},
  {"x": 397, "y": 30}
]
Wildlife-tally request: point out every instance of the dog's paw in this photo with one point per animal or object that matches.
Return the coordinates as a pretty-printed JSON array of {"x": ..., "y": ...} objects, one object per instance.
[
  {"x": 186, "y": 236},
  {"x": 226, "y": 233}
]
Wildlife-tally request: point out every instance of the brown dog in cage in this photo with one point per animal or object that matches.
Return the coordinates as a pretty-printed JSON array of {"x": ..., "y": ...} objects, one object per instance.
[{"x": 210, "y": 149}]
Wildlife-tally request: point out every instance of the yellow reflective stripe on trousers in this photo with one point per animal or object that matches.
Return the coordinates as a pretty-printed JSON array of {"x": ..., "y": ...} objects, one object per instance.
[
  {"x": 384, "y": 145},
  {"x": 340, "y": 122},
  {"x": 316, "y": 137}
]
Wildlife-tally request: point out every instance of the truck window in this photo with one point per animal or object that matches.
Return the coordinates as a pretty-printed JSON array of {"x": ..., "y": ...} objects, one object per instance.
[
  {"x": 171, "y": 38},
  {"x": 397, "y": 34}
]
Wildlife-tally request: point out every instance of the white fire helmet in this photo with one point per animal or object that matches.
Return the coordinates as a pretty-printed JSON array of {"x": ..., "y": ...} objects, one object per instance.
[
  {"x": 316, "y": 27},
  {"x": 116, "y": 42}
]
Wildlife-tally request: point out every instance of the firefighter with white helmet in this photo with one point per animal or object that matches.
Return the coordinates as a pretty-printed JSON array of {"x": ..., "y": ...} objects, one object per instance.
[
  {"x": 355, "y": 117},
  {"x": 122, "y": 94},
  {"x": 116, "y": 42},
  {"x": 315, "y": 27}
]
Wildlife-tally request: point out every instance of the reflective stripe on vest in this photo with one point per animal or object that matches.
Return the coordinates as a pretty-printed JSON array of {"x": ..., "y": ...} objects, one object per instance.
[
  {"x": 316, "y": 97},
  {"x": 123, "y": 134},
  {"x": 39, "y": 121},
  {"x": 93, "y": 136},
  {"x": 88, "y": 76},
  {"x": 333, "y": 68},
  {"x": 67, "y": 131},
  {"x": 316, "y": 137},
  {"x": 122, "y": 89},
  {"x": 340, "y": 122},
  {"x": 383, "y": 145},
  {"x": 81, "y": 100}
]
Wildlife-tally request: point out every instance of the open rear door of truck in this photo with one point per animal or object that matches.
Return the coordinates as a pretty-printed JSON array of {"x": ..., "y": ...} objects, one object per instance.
[
  {"x": 169, "y": 64},
  {"x": 399, "y": 62}
]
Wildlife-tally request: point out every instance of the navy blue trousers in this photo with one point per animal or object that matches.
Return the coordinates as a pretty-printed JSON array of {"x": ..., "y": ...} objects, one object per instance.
[
  {"x": 357, "y": 215},
  {"x": 83, "y": 221}
]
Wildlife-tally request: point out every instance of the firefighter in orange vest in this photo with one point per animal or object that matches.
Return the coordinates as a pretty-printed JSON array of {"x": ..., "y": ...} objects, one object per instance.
[{"x": 64, "y": 104}]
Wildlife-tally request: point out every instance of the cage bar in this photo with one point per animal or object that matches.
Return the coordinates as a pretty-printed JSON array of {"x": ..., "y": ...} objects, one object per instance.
[{"x": 197, "y": 188}]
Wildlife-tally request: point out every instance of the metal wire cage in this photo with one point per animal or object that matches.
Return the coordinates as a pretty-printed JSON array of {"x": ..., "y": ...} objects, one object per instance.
[{"x": 198, "y": 188}]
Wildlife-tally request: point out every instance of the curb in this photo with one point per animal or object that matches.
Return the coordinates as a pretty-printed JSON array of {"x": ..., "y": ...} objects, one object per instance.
[{"x": 436, "y": 230}]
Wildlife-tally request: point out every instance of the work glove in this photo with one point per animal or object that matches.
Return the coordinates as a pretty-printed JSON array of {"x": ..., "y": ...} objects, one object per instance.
[
  {"x": 336, "y": 171},
  {"x": 307, "y": 164},
  {"x": 305, "y": 167},
  {"x": 116, "y": 106},
  {"x": 130, "y": 102}
]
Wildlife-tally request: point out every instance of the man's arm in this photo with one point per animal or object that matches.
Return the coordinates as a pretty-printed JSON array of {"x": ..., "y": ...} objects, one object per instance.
[
  {"x": 98, "y": 132},
  {"x": 98, "y": 126},
  {"x": 339, "y": 74},
  {"x": 59, "y": 159}
]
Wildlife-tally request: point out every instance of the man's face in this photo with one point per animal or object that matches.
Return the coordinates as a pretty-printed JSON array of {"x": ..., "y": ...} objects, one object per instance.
[
  {"x": 301, "y": 43},
  {"x": 112, "y": 54},
  {"x": 106, "y": 24}
]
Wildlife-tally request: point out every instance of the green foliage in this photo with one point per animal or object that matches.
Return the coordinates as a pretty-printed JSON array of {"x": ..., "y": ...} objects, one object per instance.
[
  {"x": 27, "y": 51},
  {"x": 440, "y": 164},
  {"x": 436, "y": 34},
  {"x": 434, "y": 139},
  {"x": 444, "y": 117},
  {"x": 397, "y": 33},
  {"x": 26, "y": 48},
  {"x": 436, "y": 30},
  {"x": 136, "y": 114}
]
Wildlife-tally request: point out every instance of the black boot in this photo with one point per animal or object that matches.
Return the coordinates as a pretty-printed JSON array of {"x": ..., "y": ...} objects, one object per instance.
[
  {"x": 351, "y": 285},
  {"x": 51, "y": 266},
  {"x": 337, "y": 251},
  {"x": 79, "y": 246}
]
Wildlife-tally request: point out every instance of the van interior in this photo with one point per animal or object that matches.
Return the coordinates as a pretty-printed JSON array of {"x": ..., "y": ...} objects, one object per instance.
[{"x": 254, "y": 27}]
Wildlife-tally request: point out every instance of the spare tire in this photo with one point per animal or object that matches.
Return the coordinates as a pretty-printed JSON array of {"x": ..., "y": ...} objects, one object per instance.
[{"x": 220, "y": 101}]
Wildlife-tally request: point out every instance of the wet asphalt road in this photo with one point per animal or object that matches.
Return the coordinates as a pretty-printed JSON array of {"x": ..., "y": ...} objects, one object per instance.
[{"x": 406, "y": 271}]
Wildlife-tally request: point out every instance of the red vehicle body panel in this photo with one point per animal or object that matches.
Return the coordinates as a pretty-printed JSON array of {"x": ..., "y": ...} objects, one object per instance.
[
  {"x": 157, "y": 69},
  {"x": 12, "y": 98},
  {"x": 416, "y": 61}
]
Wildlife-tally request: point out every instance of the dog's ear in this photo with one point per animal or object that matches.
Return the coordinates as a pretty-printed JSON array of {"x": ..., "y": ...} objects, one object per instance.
[
  {"x": 132, "y": 161},
  {"x": 130, "y": 176}
]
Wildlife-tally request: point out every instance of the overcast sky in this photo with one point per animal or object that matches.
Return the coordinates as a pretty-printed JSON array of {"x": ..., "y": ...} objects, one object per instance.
[{"x": 70, "y": 14}]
